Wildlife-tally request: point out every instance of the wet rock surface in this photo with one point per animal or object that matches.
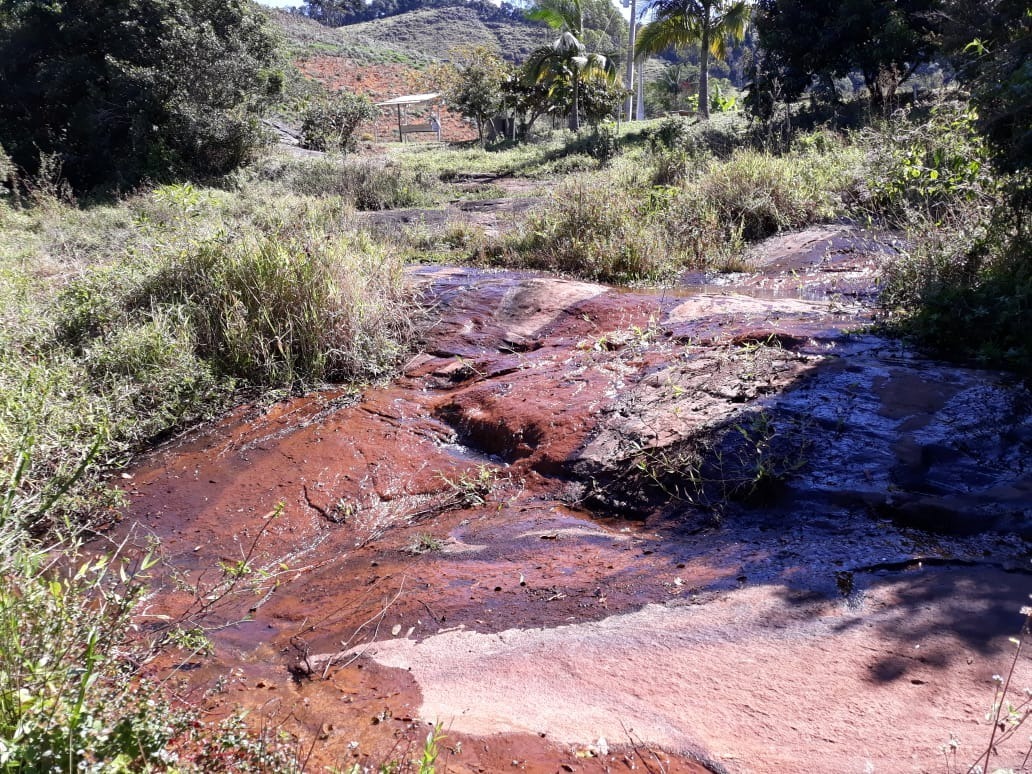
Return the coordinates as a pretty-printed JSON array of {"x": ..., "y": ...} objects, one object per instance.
[{"x": 718, "y": 528}]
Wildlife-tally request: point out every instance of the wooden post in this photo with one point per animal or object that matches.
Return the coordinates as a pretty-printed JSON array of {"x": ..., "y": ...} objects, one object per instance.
[{"x": 401, "y": 137}]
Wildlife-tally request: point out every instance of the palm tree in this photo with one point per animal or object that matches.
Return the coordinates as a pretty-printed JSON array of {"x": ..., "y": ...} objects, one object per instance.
[
  {"x": 567, "y": 60},
  {"x": 710, "y": 24}
]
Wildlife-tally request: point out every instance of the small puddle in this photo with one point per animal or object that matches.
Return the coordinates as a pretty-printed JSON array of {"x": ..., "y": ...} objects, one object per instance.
[{"x": 468, "y": 454}]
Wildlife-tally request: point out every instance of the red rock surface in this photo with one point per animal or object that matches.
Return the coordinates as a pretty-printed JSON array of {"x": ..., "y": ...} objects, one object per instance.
[{"x": 803, "y": 632}]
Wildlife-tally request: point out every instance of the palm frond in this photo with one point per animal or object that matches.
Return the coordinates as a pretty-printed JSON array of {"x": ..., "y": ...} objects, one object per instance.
[
  {"x": 549, "y": 16},
  {"x": 729, "y": 28},
  {"x": 659, "y": 35},
  {"x": 567, "y": 44},
  {"x": 559, "y": 15}
]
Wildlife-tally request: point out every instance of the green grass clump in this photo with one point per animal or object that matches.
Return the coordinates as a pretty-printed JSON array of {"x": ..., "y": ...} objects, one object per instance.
[
  {"x": 592, "y": 230},
  {"x": 622, "y": 225},
  {"x": 270, "y": 309},
  {"x": 284, "y": 308},
  {"x": 765, "y": 193},
  {"x": 363, "y": 184},
  {"x": 108, "y": 346}
]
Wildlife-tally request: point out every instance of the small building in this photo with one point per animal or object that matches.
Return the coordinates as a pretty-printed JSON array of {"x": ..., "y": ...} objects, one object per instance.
[{"x": 433, "y": 123}]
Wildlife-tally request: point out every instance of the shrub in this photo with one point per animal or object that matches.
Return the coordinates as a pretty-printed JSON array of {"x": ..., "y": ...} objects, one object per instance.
[
  {"x": 66, "y": 701},
  {"x": 73, "y": 693},
  {"x": 596, "y": 231},
  {"x": 119, "y": 108},
  {"x": 286, "y": 308},
  {"x": 8, "y": 174},
  {"x": 964, "y": 289},
  {"x": 329, "y": 123},
  {"x": 931, "y": 166},
  {"x": 602, "y": 144},
  {"x": 672, "y": 132},
  {"x": 600, "y": 98}
]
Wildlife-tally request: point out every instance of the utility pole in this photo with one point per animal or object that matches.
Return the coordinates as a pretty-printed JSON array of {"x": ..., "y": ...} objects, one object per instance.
[
  {"x": 640, "y": 113},
  {"x": 629, "y": 104}
]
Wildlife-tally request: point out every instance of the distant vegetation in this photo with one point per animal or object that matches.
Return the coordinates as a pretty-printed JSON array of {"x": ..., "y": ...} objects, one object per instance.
[
  {"x": 422, "y": 32},
  {"x": 96, "y": 108}
]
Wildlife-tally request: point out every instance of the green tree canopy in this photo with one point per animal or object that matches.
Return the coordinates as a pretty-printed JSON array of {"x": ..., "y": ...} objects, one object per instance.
[
  {"x": 991, "y": 46},
  {"x": 568, "y": 60},
  {"x": 124, "y": 90},
  {"x": 883, "y": 39},
  {"x": 712, "y": 25},
  {"x": 474, "y": 84}
]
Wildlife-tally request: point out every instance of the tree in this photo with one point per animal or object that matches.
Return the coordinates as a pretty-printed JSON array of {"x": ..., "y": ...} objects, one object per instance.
[
  {"x": 333, "y": 13},
  {"x": 600, "y": 98},
  {"x": 884, "y": 39},
  {"x": 567, "y": 60},
  {"x": 474, "y": 83},
  {"x": 991, "y": 46},
  {"x": 328, "y": 123},
  {"x": 712, "y": 25},
  {"x": 123, "y": 90}
]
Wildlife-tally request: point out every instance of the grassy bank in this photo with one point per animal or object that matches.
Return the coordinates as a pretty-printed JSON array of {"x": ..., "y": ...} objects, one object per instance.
[{"x": 124, "y": 322}]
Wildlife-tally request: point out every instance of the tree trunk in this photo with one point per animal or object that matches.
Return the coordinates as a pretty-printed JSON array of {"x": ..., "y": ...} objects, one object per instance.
[
  {"x": 629, "y": 104},
  {"x": 704, "y": 54},
  {"x": 575, "y": 113}
]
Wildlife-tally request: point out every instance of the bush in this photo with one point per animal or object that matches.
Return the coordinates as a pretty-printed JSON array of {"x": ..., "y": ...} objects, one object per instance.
[
  {"x": 329, "y": 123},
  {"x": 66, "y": 701},
  {"x": 8, "y": 174},
  {"x": 931, "y": 166},
  {"x": 672, "y": 132},
  {"x": 472, "y": 83},
  {"x": 600, "y": 232},
  {"x": 119, "y": 108},
  {"x": 289, "y": 308},
  {"x": 602, "y": 144},
  {"x": 964, "y": 289}
]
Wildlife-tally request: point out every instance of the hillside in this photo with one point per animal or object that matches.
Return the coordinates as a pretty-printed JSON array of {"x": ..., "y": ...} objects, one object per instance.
[
  {"x": 384, "y": 58},
  {"x": 433, "y": 32},
  {"x": 414, "y": 38}
]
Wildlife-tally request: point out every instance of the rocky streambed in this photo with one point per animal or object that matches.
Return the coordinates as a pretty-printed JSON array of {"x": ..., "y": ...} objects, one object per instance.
[{"x": 718, "y": 527}]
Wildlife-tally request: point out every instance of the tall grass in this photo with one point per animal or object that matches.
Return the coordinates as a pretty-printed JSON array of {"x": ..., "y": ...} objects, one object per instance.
[
  {"x": 160, "y": 332},
  {"x": 364, "y": 184},
  {"x": 619, "y": 225},
  {"x": 282, "y": 308},
  {"x": 593, "y": 230},
  {"x": 765, "y": 193},
  {"x": 119, "y": 323}
]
